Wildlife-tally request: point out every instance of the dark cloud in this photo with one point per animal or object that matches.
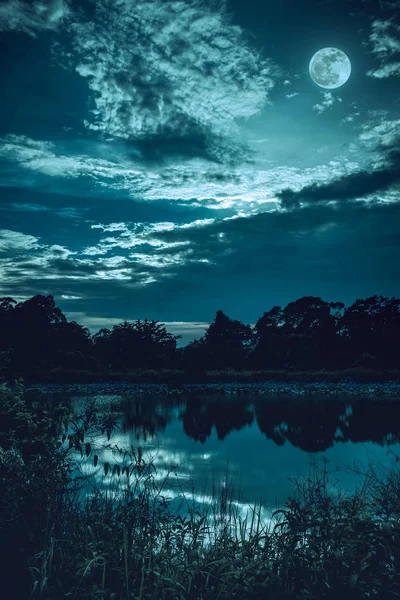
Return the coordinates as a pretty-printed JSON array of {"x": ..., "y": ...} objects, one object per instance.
[
  {"x": 349, "y": 187},
  {"x": 185, "y": 141}
]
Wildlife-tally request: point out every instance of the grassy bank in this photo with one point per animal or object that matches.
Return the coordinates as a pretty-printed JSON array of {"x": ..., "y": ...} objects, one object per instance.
[
  {"x": 178, "y": 377},
  {"x": 59, "y": 543}
]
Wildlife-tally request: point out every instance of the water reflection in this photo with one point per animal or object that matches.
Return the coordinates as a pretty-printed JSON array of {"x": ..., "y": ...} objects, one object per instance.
[
  {"x": 200, "y": 415},
  {"x": 313, "y": 425},
  {"x": 265, "y": 440}
]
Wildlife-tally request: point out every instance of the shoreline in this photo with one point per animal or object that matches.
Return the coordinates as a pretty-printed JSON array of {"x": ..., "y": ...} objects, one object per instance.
[{"x": 389, "y": 389}]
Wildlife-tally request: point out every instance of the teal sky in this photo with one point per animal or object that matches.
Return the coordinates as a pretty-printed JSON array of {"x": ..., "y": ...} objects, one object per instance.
[{"x": 166, "y": 159}]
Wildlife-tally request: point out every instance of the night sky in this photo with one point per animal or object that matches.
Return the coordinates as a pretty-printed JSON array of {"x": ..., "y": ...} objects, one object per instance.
[{"x": 165, "y": 159}]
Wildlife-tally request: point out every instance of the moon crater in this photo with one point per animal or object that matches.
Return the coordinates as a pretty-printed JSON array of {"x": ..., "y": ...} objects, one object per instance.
[{"x": 330, "y": 68}]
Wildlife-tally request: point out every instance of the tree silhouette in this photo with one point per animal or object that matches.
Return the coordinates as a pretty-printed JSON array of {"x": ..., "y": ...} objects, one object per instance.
[
  {"x": 303, "y": 335},
  {"x": 6, "y": 310},
  {"x": 308, "y": 334},
  {"x": 145, "y": 344},
  {"x": 196, "y": 356},
  {"x": 373, "y": 328},
  {"x": 73, "y": 345},
  {"x": 311, "y": 325},
  {"x": 268, "y": 349},
  {"x": 227, "y": 341},
  {"x": 32, "y": 324}
]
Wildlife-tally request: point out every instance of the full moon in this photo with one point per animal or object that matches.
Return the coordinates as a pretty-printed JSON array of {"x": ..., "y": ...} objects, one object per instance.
[{"x": 330, "y": 68}]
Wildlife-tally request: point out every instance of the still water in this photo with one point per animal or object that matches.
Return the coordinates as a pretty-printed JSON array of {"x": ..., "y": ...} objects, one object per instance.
[{"x": 265, "y": 442}]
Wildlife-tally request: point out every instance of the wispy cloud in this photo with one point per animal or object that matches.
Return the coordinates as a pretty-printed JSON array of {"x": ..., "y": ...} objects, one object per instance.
[
  {"x": 243, "y": 187},
  {"x": 31, "y": 17},
  {"x": 327, "y": 102},
  {"x": 385, "y": 38},
  {"x": 385, "y": 43},
  {"x": 381, "y": 133},
  {"x": 14, "y": 240},
  {"x": 391, "y": 4},
  {"x": 385, "y": 71},
  {"x": 349, "y": 118}
]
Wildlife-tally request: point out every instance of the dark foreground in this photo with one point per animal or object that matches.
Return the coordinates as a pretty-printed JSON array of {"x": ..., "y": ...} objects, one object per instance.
[{"x": 58, "y": 543}]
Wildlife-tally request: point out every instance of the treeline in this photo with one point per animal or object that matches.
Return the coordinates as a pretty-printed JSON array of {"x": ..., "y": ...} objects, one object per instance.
[{"x": 308, "y": 334}]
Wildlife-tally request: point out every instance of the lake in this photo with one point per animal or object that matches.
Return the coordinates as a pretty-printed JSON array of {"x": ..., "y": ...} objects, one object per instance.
[{"x": 264, "y": 441}]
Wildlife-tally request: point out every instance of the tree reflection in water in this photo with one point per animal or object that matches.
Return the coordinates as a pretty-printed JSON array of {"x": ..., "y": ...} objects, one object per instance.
[{"x": 311, "y": 424}]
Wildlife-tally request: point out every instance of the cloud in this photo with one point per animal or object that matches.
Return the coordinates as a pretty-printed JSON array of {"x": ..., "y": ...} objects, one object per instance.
[
  {"x": 171, "y": 77},
  {"x": 336, "y": 251},
  {"x": 385, "y": 38},
  {"x": 385, "y": 71},
  {"x": 385, "y": 43},
  {"x": 274, "y": 251},
  {"x": 168, "y": 70},
  {"x": 381, "y": 137},
  {"x": 350, "y": 118},
  {"x": 14, "y": 240},
  {"x": 144, "y": 248},
  {"x": 25, "y": 207},
  {"x": 328, "y": 101},
  {"x": 187, "y": 329},
  {"x": 58, "y": 264},
  {"x": 385, "y": 134},
  {"x": 390, "y": 4},
  {"x": 350, "y": 187},
  {"x": 32, "y": 17},
  {"x": 243, "y": 187}
]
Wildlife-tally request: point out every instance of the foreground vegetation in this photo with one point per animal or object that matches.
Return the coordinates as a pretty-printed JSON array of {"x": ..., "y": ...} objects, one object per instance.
[{"x": 58, "y": 541}]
